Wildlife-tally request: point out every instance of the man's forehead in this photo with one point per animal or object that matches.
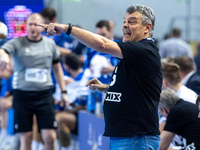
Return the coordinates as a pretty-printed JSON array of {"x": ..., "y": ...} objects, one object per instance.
[
  {"x": 102, "y": 29},
  {"x": 34, "y": 17},
  {"x": 136, "y": 15}
]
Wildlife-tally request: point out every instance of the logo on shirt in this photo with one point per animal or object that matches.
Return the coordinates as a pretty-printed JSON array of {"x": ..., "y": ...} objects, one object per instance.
[
  {"x": 113, "y": 96},
  {"x": 188, "y": 147},
  {"x": 35, "y": 75}
]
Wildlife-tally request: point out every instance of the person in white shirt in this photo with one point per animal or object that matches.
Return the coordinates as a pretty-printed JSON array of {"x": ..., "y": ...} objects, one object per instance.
[
  {"x": 172, "y": 80},
  {"x": 189, "y": 77}
]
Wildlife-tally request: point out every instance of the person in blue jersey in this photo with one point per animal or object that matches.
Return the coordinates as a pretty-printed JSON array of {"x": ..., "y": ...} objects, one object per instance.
[
  {"x": 77, "y": 94},
  {"x": 104, "y": 29},
  {"x": 132, "y": 97},
  {"x": 63, "y": 41}
]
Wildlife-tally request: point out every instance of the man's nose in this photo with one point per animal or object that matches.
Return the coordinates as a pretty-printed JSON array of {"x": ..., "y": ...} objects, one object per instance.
[{"x": 125, "y": 25}]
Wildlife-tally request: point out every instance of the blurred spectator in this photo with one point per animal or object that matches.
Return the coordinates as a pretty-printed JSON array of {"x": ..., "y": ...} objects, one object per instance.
[
  {"x": 182, "y": 119},
  {"x": 172, "y": 80},
  {"x": 175, "y": 46},
  {"x": 3, "y": 38},
  {"x": 197, "y": 59},
  {"x": 3, "y": 33},
  {"x": 63, "y": 41},
  {"x": 198, "y": 104},
  {"x": 189, "y": 76},
  {"x": 8, "y": 139},
  {"x": 77, "y": 93},
  {"x": 81, "y": 51},
  {"x": 34, "y": 56},
  {"x": 112, "y": 28},
  {"x": 108, "y": 62}
]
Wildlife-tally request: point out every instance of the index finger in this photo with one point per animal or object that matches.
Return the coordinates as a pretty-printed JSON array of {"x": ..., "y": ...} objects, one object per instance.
[
  {"x": 42, "y": 25},
  {"x": 89, "y": 82}
]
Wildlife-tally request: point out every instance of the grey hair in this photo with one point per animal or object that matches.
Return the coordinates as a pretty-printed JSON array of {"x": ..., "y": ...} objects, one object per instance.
[
  {"x": 147, "y": 15},
  {"x": 168, "y": 99}
]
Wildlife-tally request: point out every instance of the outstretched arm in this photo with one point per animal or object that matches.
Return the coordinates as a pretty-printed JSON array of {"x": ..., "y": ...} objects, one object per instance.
[{"x": 88, "y": 38}]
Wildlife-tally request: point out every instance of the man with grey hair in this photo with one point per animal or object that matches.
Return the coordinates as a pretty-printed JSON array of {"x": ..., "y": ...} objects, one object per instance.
[
  {"x": 132, "y": 97},
  {"x": 182, "y": 119}
]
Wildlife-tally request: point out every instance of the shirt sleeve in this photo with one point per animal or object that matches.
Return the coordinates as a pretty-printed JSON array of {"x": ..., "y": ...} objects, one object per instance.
[
  {"x": 56, "y": 53},
  {"x": 138, "y": 53},
  {"x": 63, "y": 40},
  {"x": 176, "y": 121},
  {"x": 10, "y": 46}
]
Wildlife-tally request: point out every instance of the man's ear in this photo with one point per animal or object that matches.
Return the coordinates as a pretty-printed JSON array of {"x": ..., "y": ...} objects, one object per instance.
[
  {"x": 166, "y": 111},
  {"x": 165, "y": 83},
  {"x": 148, "y": 27}
]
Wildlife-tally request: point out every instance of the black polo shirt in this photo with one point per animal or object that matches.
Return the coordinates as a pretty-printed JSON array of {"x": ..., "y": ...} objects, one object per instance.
[
  {"x": 131, "y": 103},
  {"x": 183, "y": 120}
]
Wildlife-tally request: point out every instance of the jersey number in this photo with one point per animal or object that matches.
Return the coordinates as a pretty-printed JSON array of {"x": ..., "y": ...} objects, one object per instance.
[{"x": 114, "y": 77}]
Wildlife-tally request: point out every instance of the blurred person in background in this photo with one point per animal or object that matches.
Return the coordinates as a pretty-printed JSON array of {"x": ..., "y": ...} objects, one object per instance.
[
  {"x": 189, "y": 76},
  {"x": 7, "y": 139},
  {"x": 108, "y": 62},
  {"x": 175, "y": 46},
  {"x": 3, "y": 33},
  {"x": 81, "y": 51},
  {"x": 34, "y": 56},
  {"x": 63, "y": 41},
  {"x": 198, "y": 104},
  {"x": 172, "y": 80},
  {"x": 134, "y": 86},
  {"x": 3, "y": 38},
  {"x": 182, "y": 119},
  {"x": 77, "y": 93},
  {"x": 112, "y": 28}
]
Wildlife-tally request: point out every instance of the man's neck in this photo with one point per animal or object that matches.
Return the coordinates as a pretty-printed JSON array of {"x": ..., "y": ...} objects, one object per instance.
[
  {"x": 144, "y": 37},
  {"x": 38, "y": 38},
  {"x": 176, "y": 87},
  {"x": 184, "y": 74},
  {"x": 74, "y": 74}
]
